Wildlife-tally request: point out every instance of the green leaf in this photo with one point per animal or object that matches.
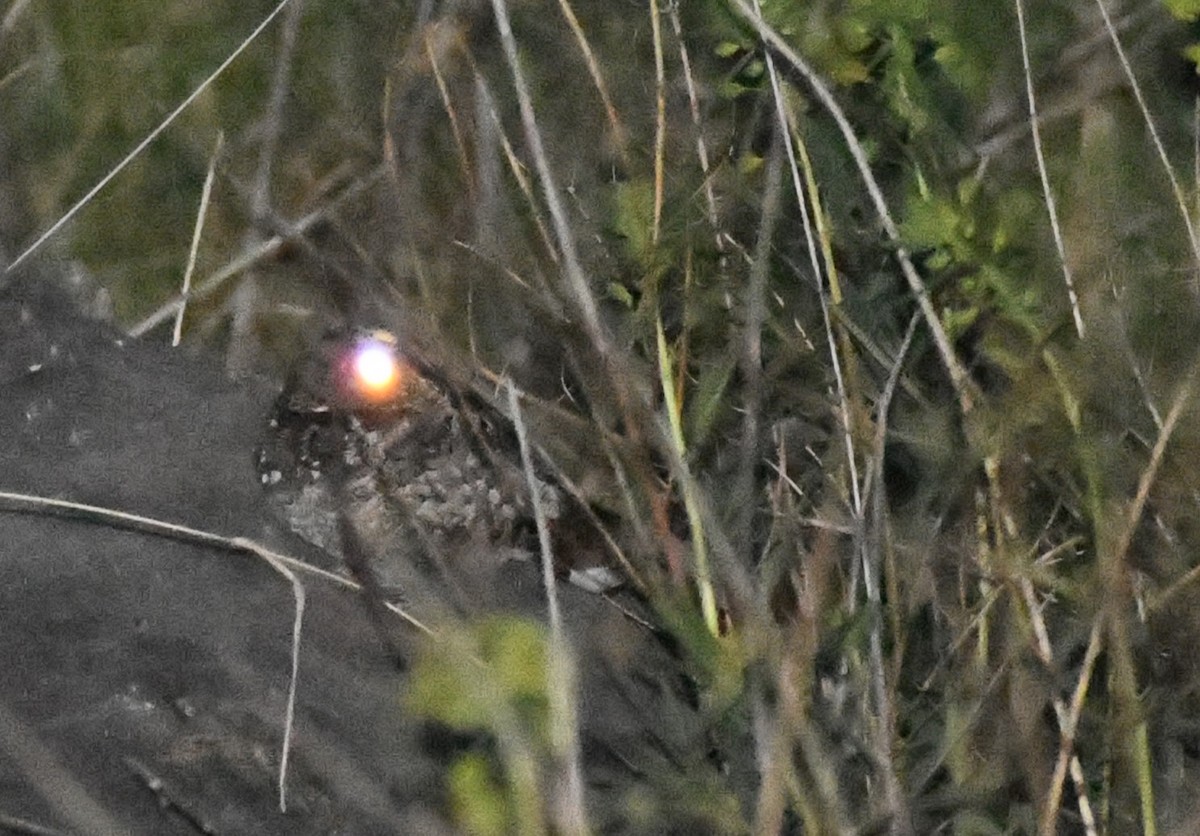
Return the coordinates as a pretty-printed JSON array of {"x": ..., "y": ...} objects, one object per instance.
[
  {"x": 931, "y": 223},
  {"x": 449, "y": 684},
  {"x": 854, "y": 34},
  {"x": 1183, "y": 9},
  {"x": 1192, "y": 53},
  {"x": 968, "y": 189},
  {"x": 633, "y": 218},
  {"x": 750, "y": 164},
  {"x": 849, "y": 71},
  {"x": 621, "y": 293},
  {"x": 728, "y": 49},
  {"x": 708, "y": 399},
  {"x": 480, "y": 803},
  {"x": 731, "y": 89},
  {"x": 956, "y": 322}
]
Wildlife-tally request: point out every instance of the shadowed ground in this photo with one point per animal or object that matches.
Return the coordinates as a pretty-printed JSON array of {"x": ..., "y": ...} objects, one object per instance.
[{"x": 128, "y": 655}]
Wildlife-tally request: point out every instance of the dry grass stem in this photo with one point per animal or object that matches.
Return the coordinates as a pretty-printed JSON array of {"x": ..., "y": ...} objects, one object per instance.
[
  {"x": 660, "y": 120},
  {"x": 689, "y": 80},
  {"x": 197, "y": 232},
  {"x": 873, "y": 546},
  {"x": 1068, "y": 721},
  {"x": 460, "y": 141},
  {"x": 569, "y": 807},
  {"x": 289, "y": 714},
  {"x": 751, "y": 359},
  {"x": 696, "y": 518},
  {"x": 1146, "y": 481},
  {"x": 619, "y": 139},
  {"x": 1047, "y": 191},
  {"x": 518, "y": 172},
  {"x": 25, "y": 827},
  {"x": 1152, "y": 129},
  {"x": 23, "y": 502}
]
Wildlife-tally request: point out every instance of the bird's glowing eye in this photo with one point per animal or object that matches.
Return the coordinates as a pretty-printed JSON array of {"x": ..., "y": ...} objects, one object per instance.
[{"x": 376, "y": 370}]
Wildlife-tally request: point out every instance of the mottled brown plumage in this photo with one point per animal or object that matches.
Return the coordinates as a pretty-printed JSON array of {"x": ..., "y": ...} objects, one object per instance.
[{"x": 431, "y": 489}]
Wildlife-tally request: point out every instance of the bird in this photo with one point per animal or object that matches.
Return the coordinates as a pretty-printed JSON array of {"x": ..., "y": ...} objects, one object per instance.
[{"x": 370, "y": 458}]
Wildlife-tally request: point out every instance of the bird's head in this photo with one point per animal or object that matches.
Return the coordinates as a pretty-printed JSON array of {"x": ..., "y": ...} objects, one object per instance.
[{"x": 369, "y": 372}]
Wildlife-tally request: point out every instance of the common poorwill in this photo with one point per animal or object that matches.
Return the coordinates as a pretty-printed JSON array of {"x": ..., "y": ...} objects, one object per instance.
[{"x": 431, "y": 488}]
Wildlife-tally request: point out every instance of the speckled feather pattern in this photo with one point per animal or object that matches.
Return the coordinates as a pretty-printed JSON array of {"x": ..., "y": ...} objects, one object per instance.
[{"x": 419, "y": 478}]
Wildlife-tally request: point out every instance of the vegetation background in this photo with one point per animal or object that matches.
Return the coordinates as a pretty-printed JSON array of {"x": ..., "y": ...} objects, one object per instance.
[{"x": 887, "y": 398}]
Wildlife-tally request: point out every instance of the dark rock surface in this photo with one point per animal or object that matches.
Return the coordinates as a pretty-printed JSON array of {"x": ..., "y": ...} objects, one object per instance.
[
  {"x": 128, "y": 655},
  {"x": 143, "y": 677}
]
